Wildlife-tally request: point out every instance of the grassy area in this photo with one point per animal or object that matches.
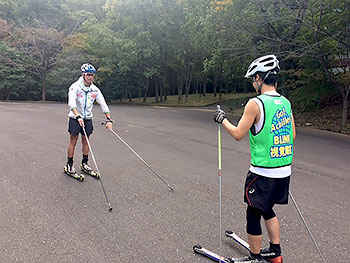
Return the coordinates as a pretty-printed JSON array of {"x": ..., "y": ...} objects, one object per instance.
[
  {"x": 235, "y": 104},
  {"x": 193, "y": 100}
]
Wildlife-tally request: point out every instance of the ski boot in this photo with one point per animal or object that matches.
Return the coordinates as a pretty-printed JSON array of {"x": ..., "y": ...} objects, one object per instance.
[
  {"x": 88, "y": 170},
  {"x": 272, "y": 255},
  {"x": 71, "y": 172},
  {"x": 248, "y": 259}
]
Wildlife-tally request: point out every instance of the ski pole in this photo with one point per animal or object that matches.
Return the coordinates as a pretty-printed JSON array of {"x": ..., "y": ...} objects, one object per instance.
[
  {"x": 220, "y": 205},
  {"x": 306, "y": 226},
  {"x": 93, "y": 158},
  {"x": 138, "y": 156}
]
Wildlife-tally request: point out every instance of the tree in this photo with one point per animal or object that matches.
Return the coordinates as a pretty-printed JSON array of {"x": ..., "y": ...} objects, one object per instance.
[
  {"x": 332, "y": 39},
  {"x": 35, "y": 31},
  {"x": 14, "y": 79}
]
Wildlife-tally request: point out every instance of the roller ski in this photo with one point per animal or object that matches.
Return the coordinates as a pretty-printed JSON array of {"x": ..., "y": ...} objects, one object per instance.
[
  {"x": 271, "y": 254},
  {"x": 209, "y": 254},
  {"x": 70, "y": 171},
  {"x": 88, "y": 170},
  {"x": 217, "y": 258}
]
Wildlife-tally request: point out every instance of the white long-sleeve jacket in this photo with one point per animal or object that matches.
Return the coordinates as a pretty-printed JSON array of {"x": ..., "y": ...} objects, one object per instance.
[{"x": 82, "y": 98}]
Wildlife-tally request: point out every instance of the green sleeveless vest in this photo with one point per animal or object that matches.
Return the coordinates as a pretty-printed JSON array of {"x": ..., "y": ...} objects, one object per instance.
[{"x": 272, "y": 146}]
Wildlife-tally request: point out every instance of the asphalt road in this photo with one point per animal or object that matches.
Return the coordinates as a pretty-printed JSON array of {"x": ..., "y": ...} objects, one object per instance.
[{"x": 46, "y": 216}]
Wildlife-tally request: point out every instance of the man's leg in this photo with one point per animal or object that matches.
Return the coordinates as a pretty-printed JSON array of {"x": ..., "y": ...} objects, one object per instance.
[
  {"x": 255, "y": 243},
  {"x": 73, "y": 129},
  {"x": 273, "y": 229},
  {"x": 254, "y": 232},
  {"x": 273, "y": 253},
  {"x": 70, "y": 153},
  {"x": 84, "y": 163},
  {"x": 88, "y": 129},
  {"x": 71, "y": 146},
  {"x": 85, "y": 148}
]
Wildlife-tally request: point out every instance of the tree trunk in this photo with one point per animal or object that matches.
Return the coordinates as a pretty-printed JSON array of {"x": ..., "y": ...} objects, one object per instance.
[
  {"x": 180, "y": 90},
  {"x": 235, "y": 87},
  {"x": 146, "y": 90},
  {"x": 188, "y": 85},
  {"x": 156, "y": 87},
  {"x": 200, "y": 89},
  {"x": 174, "y": 84},
  {"x": 220, "y": 90},
  {"x": 43, "y": 97},
  {"x": 345, "y": 114},
  {"x": 161, "y": 90},
  {"x": 204, "y": 88},
  {"x": 215, "y": 81},
  {"x": 166, "y": 88}
]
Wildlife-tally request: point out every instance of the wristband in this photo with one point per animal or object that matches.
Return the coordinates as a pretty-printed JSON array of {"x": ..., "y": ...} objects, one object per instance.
[
  {"x": 77, "y": 117},
  {"x": 109, "y": 119}
]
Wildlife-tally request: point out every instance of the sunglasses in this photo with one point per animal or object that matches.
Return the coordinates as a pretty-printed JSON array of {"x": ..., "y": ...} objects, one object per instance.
[{"x": 90, "y": 74}]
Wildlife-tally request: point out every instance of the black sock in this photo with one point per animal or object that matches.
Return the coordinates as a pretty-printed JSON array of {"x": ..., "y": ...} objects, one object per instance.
[
  {"x": 258, "y": 256},
  {"x": 85, "y": 159},
  {"x": 70, "y": 161},
  {"x": 275, "y": 247}
]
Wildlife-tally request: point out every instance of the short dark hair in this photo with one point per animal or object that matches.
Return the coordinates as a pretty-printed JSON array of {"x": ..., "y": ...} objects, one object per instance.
[{"x": 271, "y": 78}]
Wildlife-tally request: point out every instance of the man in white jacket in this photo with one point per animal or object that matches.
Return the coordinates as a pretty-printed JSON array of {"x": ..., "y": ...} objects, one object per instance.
[{"x": 81, "y": 97}]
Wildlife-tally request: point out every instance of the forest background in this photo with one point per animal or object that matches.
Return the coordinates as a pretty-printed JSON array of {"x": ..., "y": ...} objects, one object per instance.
[{"x": 182, "y": 48}]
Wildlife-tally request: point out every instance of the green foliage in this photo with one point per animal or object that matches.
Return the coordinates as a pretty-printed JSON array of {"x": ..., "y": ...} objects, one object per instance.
[
  {"x": 60, "y": 78},
  {"x": 15, "y": 83},
  {"x": 28, "y": 12},
  {"x": 193, "y": 43}
]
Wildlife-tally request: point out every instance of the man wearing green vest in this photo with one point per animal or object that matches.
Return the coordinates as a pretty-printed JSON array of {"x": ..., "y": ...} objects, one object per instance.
[{"x": 269, "y": 120}]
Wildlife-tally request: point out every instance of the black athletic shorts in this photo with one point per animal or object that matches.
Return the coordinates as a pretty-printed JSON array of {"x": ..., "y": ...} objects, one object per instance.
[
  {"x": 264, "y": 192},
  {"x": 74, "y": 128}
]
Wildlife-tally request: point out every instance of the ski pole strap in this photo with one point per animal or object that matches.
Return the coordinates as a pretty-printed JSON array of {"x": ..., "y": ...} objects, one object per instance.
[{"x": 109, "y": 119}]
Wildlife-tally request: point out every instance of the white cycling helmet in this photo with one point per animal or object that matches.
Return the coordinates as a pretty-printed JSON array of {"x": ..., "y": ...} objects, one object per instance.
[
  {"x": 263, "y": 64},
  {"x": 88, "y": 68}
]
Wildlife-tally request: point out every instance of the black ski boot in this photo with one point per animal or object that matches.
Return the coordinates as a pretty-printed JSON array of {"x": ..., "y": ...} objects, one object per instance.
[
  {"x": 69, "y": 170},
  {"x": 88, "y": 170},
  {"x": 272, "y": 254}
]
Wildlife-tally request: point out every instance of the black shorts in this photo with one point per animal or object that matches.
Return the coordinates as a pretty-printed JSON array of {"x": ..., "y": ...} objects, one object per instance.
[
  {"x": 264, "y": 192},
  {"x": 74, "y": 128}
]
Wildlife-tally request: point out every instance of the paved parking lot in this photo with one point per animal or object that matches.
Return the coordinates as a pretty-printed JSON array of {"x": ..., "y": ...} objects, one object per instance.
[{"x": 46, "y": 216}]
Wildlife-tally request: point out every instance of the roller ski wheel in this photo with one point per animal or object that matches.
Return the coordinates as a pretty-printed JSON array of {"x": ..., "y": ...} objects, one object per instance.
[
  {"x": 248, "y": 260},
  {"x": 88, "y": 170},
  {"x": 271, "y": 256},
  {"x": 74, "y": 174},
  {"x": 197, "y": 248},
  {"x": 276, "y": 260}
]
